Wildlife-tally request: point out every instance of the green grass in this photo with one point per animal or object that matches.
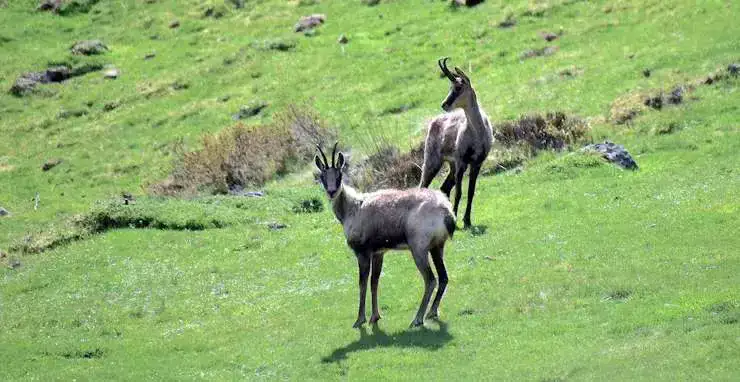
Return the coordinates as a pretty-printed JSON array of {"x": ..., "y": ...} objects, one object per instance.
[{"x": 576, "y": 269}]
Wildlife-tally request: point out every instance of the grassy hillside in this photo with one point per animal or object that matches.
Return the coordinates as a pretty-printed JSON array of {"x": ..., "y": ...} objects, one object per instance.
[{"x": 577, "y": 269}]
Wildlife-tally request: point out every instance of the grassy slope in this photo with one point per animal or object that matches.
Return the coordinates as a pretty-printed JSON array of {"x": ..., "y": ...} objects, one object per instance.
[{"x": 537, "y": 296}]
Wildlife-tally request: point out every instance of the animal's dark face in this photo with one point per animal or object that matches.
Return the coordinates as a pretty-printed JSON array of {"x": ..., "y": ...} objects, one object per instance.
[
  {"x": 330, "y": 176},
  {"x": 460, "y": 88},
  {"x": 457, "y": 95},
  {"x": 331, "y": 179}
]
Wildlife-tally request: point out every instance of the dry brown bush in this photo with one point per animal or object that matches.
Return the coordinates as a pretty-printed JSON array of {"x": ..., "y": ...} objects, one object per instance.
[
  {"x": 387, "y": 167},
  {"x": 542, "y": 132},
  {"x": 242, "y": 156}
]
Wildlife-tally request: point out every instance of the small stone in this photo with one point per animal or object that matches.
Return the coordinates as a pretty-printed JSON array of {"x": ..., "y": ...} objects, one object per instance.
[
  {"x": 734, "y": 69},
  {"x": 467, "y": 3},
  {"x": 548, "y": 36},
  {"x": 546, "y": 51},
  {"x": 238, "y": 190},
  {"x": 49, "y": 5},
  {"x": 111, "y": 73},
  {"x": 309, "y": 22},
  {"x": 508, "y": 22},
  {"x": 14, "y": 264},
  {"x": 4, "y": 212},
  {"x": 128, "y": 198},
  {"x": 250, "y": 110},
  {"x": 281, "y": 45},
  {"x": 74, "y": 113},
  {"x": 110, "y": 106},
  {"x": 174, "y": 24},
  {"x": 51, "y": 163},
  {"x": 89, "y": 47},
  {"x": 276, "y": 226},
  {"x": 342, "y": 39},
  {"x": 655, "y": 102},
  {"x": 614, "y": 153},
  {"x": 676, "y": 95}
]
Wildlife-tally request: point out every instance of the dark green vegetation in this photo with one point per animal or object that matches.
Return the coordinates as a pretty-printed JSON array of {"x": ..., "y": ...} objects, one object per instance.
[{"x": 578, "y": 269}]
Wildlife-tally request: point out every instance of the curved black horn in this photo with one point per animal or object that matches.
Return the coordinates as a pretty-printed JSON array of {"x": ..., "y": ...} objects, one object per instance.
[
  {"x": 334, "y": 153},
  {"x": 443, "y": 65},
  {"x": 322, "y": 155}
]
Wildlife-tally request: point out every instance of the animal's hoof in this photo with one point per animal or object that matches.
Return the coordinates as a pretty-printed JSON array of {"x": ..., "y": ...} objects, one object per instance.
[
  {"x": 433, "y": 315},
  {"x": 359, "y": 322},
  {"x": 374, "y": 319},
  {"x": 416, "y": 323}
]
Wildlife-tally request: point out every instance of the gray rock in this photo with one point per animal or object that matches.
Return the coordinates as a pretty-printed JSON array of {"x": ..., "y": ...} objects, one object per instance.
[
  {"x": 51, "y": 163},
  {"x": 281, "y": 45},
  {"x": 676, "y": 95},
  {"x": 548, "y": 36},
  {"x": 26, "y": 82},
  {"x": 111, "y": 73},
  {"x": 49, "y": 5},
  {"x": 89, "y": 47},
  {"x": 309, "y": 22},
  {"x": 276, "y": 226},
  {"x": 614, "y": 153},
  {"x": 73, "y": 113},
  {"x": 249, "y": 110},
  {"x": 14, "y": 264},
  {"x": 545, "y": 51},
  {"x": 734, "y": 69},
  {"x": 110, "y": 106},
  {"x": 467, "y": 3},
  {"x": 238, "y": 190},
  {"x": 508, "y": 22}
]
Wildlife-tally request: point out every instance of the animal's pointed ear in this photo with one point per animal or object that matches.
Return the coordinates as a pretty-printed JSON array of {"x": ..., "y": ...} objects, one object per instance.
[
  {"x": 319, "y": 163},
  {"x": 340, "y": 161},
  {"x": 462, "y": 74}
]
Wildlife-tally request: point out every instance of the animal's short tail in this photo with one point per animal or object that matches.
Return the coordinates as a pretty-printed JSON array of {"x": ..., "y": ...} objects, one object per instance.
[{"x": 450, "y": 224}]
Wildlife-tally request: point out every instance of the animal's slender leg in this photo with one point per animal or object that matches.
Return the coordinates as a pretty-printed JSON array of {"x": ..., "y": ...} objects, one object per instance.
[
  {"x": 377, "y": 267},
  {"x": 363, "y": 261},
  {"x": 439, "y": 265},
  {"x": 430, "y": 168},
  {"x": 460, "y": 168},
  {"x": 421, "y": 258},
  {"x": 473, "y": 177},
  {"x": 449, "y": 181}
]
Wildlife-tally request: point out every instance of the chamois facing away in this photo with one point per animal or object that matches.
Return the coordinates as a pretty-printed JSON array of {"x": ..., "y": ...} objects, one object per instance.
[
  {"x": 461, "y": 137},
  {"x": 417, "y": 219}
]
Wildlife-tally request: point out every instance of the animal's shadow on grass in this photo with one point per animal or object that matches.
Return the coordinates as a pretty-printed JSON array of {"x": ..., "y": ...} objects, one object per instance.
[{"x": 422, "y": 338}]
